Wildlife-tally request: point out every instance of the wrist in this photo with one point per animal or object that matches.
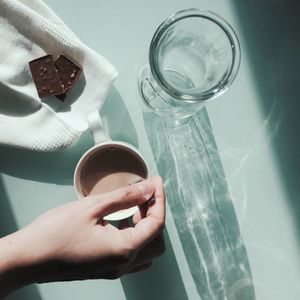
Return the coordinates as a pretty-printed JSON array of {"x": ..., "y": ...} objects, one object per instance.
[{"x": 17, "y": 262}]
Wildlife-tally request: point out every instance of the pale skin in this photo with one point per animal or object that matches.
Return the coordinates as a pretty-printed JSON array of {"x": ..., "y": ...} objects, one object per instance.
[{"x": 73, "y": 242}]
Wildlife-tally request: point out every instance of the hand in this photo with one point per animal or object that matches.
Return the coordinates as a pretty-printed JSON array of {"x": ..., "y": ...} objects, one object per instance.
[{"x": 73, "y": 242}]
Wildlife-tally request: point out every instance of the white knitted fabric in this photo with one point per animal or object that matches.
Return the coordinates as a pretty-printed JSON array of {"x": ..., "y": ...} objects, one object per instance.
[{"x": 30, "y": 29}]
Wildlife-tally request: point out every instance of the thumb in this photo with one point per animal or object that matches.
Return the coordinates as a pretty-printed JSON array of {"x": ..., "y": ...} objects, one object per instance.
[{"x": 123, "y": 198}]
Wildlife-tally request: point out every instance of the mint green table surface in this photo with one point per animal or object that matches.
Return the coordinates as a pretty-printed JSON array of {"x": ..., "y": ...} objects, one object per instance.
[{"x": 255, "y": 123}]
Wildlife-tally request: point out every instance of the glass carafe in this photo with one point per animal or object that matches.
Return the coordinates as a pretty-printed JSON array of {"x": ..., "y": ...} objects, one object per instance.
[{"x": 194, "y": 56}]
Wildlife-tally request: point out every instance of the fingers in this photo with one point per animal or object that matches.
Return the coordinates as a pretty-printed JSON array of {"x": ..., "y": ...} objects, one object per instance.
[
  {"x": 158, "y": 211},
  {"x": 150, "y": 226},
  {"x": 122, "y": 198},
  {"x": 140, "y": 214}
]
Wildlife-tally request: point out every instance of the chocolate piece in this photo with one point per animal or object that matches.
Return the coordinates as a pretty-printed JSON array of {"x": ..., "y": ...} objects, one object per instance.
[
  {"x": 68, "y": 73},
  {"x": 45, "y": 76}
]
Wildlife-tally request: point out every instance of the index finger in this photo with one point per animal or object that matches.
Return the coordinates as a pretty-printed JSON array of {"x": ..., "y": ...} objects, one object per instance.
[
  {"x": 150, "y": 226},
  {"x": 122, "y": 198}
]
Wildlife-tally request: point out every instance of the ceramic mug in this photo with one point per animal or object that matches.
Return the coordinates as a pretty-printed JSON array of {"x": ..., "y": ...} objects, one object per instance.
[{"x": 103, "y": 142}]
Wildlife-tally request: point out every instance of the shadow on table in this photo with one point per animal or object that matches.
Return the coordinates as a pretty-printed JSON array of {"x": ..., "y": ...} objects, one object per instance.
[
  {"x": 8, "y": 225},
  {"x": 271, "y": 31},
  {"x": 187, "y": 158},
  {"x": 161, "y": 281},
  {"x": 59, "y": 167}
]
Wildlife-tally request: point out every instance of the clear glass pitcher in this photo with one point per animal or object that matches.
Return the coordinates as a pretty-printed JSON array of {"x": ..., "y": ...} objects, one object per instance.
[{"x": 194, "y": 56}]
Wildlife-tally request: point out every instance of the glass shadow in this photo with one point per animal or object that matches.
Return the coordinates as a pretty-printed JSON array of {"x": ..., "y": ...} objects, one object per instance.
[{"x": 187, "y": 158}]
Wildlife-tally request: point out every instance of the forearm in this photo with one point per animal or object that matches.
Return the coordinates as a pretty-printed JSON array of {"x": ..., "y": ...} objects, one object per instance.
[{"x": 15, "y": 265}]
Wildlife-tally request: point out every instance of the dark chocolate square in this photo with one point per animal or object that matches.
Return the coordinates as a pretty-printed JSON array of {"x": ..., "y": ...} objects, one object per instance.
[
  {"x": 46, "y": 77},
  {"x": 68, "y": 73}
]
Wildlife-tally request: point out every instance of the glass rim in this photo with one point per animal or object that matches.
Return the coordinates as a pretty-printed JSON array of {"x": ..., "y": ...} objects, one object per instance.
[{"x": 221, "y": 86}]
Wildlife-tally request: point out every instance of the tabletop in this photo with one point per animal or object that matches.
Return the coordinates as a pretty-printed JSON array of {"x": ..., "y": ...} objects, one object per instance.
[{"x": 256, "y": 125}]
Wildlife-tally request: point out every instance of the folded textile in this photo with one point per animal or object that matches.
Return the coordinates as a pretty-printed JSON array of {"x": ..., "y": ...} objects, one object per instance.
[{"x": 30, "y": 29}]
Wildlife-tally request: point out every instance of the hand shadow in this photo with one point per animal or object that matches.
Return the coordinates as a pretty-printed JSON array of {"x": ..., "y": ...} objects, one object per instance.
[
  {"x": 161, "y": 281},
  {"x": 59, "y": 167},
  {"x": 8, "y": 225},
  {"x": 271, "y": 30}
]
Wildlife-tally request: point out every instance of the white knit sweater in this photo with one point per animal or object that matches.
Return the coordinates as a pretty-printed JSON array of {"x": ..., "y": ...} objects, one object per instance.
[{"x": 30, "y": 29}]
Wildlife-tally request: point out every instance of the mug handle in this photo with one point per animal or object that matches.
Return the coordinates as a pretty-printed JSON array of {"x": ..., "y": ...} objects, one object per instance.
[{"x": 96, "y": 127}]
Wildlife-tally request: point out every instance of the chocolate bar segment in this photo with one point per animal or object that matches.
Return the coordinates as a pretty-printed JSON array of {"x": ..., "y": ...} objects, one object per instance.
[
  {"x": 68, "y": 73},
  {"x": 45, "y": 76}
]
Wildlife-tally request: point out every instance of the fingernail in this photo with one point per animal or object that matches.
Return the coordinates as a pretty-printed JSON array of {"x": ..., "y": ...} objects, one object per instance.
[{"x": 146, "y": 188}]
